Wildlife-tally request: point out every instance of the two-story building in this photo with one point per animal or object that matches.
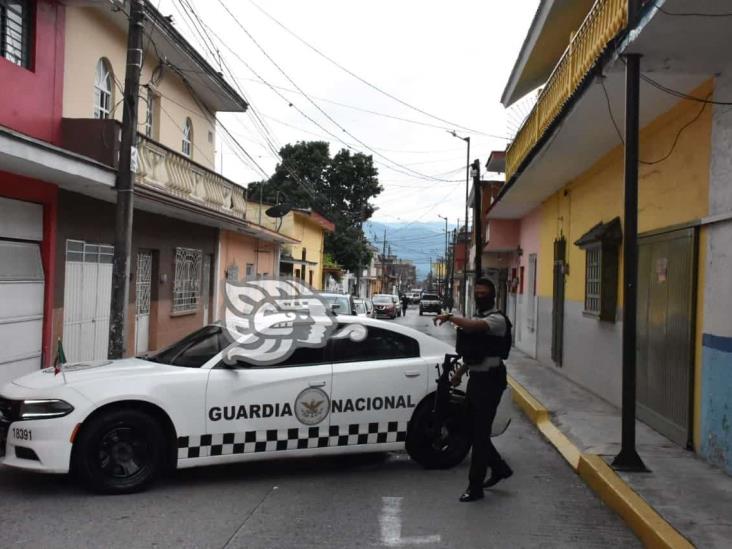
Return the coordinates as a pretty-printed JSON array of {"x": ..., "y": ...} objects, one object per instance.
[
  {"x": 563, "y": 205},
  {"x": 305, "y": 259},
  {"x": 32, "y": 166},
  {"x": 63, "y": 65}
]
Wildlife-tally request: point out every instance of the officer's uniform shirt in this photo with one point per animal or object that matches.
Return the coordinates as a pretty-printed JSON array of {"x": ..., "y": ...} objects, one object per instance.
[{"x": 497, "y": 327}]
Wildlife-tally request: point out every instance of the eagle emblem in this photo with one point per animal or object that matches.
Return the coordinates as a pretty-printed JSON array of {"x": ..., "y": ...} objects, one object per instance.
[{"x": 312, "y": 406}]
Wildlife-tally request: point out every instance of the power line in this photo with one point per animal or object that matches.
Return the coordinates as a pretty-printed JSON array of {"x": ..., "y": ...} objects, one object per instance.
[
  {"x": 676, "y": 137},
  {"x": 369, "y": 84},
  {"x": 690, "y": 14},
  {"x": 320, "y": 109}
]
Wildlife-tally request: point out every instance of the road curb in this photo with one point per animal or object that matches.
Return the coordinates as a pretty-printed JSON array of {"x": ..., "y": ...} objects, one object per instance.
[{"x": 647, "y": 524}]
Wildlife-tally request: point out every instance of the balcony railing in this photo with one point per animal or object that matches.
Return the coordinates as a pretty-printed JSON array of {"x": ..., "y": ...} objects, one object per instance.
[
  {"x": 603, "y": 23},
  {"x": 163, "y": 169},
  {"x": 159, "y": 168}
]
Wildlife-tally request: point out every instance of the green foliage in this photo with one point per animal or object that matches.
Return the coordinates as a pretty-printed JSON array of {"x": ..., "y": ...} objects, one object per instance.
[{"x": 340, "y": 188}]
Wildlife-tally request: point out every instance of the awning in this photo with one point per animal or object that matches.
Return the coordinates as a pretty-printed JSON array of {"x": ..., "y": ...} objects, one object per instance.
[
  {"x": 606, "y": 233},
  {"x": 293, "y": 261}
]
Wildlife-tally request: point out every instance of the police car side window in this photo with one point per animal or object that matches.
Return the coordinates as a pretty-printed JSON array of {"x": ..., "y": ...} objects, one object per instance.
[
  {"x": 378, "y": 345},
  {"x": 201, "y": 351}
]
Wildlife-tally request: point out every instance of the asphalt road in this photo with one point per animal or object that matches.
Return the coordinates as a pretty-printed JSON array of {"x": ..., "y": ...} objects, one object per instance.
[{"x": 372, "y": 500}]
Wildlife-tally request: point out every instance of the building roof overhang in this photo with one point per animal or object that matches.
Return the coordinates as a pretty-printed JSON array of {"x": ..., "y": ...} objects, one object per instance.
[
  {"x": 674, "y": 54},
  {"x": 166, "y": 42},
  {"x": 546, "y": 40}
]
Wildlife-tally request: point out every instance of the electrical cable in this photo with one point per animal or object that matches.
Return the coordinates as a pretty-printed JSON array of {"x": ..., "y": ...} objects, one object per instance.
[
  {"x": 689, "y": 14},
  {"x": 321, "y": 110},
  {"x": 369, "y": 84},
  {"x": 676, "y": 138}
]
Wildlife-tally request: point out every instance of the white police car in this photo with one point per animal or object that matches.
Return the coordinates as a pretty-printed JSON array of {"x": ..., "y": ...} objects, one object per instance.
[{"x": 119, "y": 424}]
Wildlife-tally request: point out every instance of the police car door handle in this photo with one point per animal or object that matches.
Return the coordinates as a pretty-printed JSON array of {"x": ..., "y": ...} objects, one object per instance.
[
  {"x": 412, "y": 373},
  {"x": 317, "y": 384}
]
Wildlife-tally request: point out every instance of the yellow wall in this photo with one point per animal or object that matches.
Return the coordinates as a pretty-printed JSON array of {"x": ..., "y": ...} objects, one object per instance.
[
  {"x": 90, "y": 35},
  {"x": 669, "y": 193},
  {"x": 312, "y": 238}
]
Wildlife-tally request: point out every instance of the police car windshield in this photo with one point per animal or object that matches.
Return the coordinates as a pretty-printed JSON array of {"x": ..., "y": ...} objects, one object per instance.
[{"x": 194, "y": 350}]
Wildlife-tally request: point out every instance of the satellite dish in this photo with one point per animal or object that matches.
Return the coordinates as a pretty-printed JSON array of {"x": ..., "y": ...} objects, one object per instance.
[{"x": 280, "y": 210}]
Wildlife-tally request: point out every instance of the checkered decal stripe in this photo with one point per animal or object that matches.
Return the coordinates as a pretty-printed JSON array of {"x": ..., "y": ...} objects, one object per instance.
[{"x": 272, "y": 440}]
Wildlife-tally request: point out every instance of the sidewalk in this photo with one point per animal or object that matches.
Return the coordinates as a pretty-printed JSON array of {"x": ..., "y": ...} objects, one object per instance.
[{"x": 693, "y": 497}]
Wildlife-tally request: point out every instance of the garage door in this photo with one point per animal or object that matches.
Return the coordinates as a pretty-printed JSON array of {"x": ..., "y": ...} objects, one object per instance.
[{"x": 21, "y": 288}]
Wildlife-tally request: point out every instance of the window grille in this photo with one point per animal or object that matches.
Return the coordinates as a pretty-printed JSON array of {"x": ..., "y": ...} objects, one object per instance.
[
  {"x": 232, "y": 273},
  {"x": 144, "y": 279},
  {"x": 103, "y": 90},
  {"x": 593, "y": 280},
  {"x": 187, "y": 138},
  {"x": 15, "y": 31},
  {"x": 187, "y": 286}
]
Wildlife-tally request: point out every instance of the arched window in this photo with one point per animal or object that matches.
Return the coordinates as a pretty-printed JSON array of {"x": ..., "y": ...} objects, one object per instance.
[
  {"x": 103, "y": 90},
  {"x": 188, "y": 138}
]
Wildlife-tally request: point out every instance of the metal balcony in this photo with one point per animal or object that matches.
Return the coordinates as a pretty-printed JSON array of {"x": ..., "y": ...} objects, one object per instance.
[{"x": 603, "y": 23}]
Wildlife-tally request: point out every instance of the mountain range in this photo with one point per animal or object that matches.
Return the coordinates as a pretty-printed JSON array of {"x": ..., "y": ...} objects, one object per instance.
[{"x": 415, "y": 241}]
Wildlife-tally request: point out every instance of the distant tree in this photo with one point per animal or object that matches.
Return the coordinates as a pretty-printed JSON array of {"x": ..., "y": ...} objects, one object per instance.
[{"x": 339, "y": 188}]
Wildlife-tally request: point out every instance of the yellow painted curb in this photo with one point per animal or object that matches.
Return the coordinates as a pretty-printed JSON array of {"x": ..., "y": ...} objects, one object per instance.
[{"x": 647, "y": 524}]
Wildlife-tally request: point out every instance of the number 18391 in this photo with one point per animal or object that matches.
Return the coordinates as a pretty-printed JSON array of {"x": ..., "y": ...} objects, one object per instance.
[{"x": 22, "y": 434}]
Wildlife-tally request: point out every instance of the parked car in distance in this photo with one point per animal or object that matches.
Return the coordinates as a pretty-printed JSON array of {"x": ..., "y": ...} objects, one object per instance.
[
  {"x": 430, "y": 303},
  {"x": 397, "y": 304},
  {"x": 341, "y": 304},
  {"x": 414, "y": 296},
  {"x": 363, "y": 306},
  {"x": 384, "y": 306}
]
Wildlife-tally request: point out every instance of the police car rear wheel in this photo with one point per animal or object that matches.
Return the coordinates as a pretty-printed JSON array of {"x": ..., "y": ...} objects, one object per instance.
[
  {"x": 119, "y": 452},
  {"x": 437, "y": 446}
]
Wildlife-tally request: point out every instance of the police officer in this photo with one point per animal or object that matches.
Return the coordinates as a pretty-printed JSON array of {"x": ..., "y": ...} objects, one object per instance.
[{"x": 483, "y": 342}]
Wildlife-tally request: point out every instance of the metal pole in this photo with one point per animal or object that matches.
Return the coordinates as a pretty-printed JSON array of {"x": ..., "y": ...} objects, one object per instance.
[
  {"x": 628, "y": 459},
  {"x": 477, "y": 223},
  {"x": 125, "y": 185},
  {"x": 464, "y": 289},
  {"x": 383, "y": 265}
]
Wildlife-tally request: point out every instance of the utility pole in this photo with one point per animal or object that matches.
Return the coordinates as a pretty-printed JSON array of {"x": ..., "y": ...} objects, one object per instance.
[
  {"x": 383, "y": 265},
  {"x": 477, "y": 223},
  {"x": 444, "y": 290},
  {"x": 125, "y": 185}
]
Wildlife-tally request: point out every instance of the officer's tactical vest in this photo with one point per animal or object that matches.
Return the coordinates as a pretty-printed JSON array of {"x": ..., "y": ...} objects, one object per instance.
[{"x": 474, "y": 347}]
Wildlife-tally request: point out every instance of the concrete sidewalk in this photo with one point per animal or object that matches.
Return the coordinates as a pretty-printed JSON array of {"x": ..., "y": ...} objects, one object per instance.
[{"x": 691, "y": 496}]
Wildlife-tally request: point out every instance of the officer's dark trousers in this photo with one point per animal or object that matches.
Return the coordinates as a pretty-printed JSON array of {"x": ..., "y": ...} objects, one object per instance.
[{"x": 484, "y": 394}]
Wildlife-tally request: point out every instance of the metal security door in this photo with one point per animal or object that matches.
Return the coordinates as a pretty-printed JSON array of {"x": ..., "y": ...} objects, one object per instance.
[
  {"x": 142, "y": 298},
  {"x": 666, "y": 289},
  {"x": 87, "y": 300},
  {"x": 560, "y": 250}
]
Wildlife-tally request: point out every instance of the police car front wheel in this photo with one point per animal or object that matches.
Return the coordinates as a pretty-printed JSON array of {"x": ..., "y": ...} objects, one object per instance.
[{"x": 119, "y": 451}]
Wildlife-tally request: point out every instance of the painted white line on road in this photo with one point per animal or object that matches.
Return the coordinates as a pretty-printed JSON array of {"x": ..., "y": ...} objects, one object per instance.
[{"x": 390, "y": 521}]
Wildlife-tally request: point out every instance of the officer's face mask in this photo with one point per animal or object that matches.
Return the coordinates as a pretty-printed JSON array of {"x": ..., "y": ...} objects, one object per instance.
[{"x": 484, "y": 302}]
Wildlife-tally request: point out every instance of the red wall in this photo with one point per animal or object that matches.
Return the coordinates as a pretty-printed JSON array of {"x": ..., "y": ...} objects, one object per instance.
[
  {"x": 32, "y": 98},
  {"x": 32, "y": 190}
]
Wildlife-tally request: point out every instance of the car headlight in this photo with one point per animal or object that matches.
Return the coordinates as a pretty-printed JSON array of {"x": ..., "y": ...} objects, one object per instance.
[{"x": 43, "y": 409}]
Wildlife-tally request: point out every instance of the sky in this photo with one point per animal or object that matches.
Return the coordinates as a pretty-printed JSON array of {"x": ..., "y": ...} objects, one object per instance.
[{"x": 450, "y": 60}]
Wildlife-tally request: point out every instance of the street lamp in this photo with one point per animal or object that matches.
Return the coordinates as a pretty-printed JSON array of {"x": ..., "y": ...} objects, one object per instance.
[{"x": 464, "y": 297}]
